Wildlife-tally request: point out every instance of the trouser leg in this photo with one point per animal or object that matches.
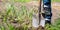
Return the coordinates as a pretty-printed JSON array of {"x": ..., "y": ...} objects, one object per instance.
[
  {"x": 47, "y": 11},
  {"x": 35, "y": 20}
]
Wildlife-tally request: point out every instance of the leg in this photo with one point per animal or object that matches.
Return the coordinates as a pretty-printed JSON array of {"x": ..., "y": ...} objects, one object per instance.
[{"x": 47, "y": 11}]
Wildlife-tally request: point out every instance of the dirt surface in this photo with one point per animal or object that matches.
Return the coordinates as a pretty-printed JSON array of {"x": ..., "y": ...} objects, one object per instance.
[
  {"x": 55, "y": 11},
  {"x": 55, "y": 7}
]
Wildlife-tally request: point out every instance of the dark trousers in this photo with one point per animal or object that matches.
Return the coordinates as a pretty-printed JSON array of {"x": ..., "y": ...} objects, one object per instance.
[{"x": 47, "y": 9}]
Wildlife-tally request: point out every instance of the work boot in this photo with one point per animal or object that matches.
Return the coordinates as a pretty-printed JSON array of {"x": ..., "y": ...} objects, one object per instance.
[
  {"x": 35, "y": 21},
  {"x": 47, "y": 21}
]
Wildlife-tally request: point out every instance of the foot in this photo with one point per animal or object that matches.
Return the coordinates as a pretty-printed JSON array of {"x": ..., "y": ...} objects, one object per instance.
[
  {"x": 42, "y": 23},
  {"x": 47, "y": 21}
]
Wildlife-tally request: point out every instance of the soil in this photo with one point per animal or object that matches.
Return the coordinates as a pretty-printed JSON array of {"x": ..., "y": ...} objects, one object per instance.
[{"x": 55, "y": 8}]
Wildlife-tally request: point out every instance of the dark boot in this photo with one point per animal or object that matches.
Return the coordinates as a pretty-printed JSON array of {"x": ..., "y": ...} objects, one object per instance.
[{"x": 47, "y": 21}]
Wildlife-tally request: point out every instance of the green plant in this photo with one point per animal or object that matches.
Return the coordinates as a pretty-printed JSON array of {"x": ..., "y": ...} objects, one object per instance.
[
  {"x": 11, "y": 14},
  {"x": 22, "y": 0},
  {"x": 54, "y": 27}
]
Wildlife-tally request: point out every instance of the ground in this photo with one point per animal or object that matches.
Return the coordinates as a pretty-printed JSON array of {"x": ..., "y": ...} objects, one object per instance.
[{"x": 55, "y": 8}]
